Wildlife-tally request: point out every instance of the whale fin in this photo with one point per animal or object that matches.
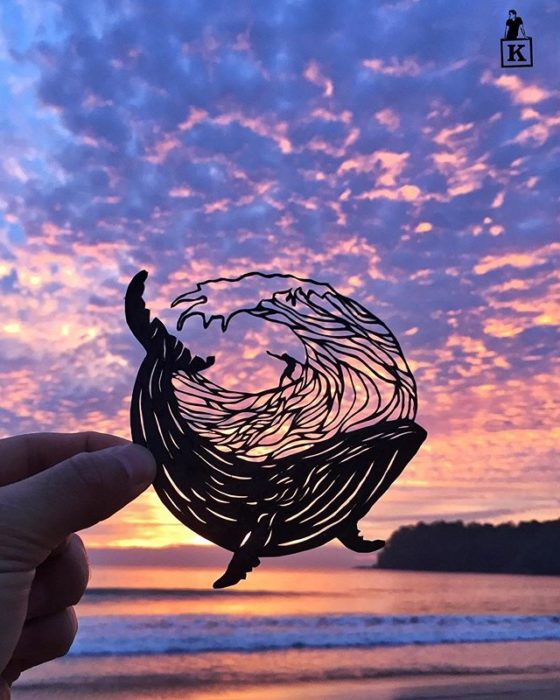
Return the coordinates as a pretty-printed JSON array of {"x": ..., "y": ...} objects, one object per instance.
[
  {"x": 240, "y": 565},
  {"x": 352, "y": 538},
  {"x": 137, "y": 314},
  {"x": 245, "y": 559}
]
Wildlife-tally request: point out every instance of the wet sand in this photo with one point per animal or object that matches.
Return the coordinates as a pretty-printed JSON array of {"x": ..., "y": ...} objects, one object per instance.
[{"x": 485, "y": 687}]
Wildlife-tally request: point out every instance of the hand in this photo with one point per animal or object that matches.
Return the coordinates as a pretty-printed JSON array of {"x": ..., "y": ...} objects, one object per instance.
[{"x": 51, "y": 485}]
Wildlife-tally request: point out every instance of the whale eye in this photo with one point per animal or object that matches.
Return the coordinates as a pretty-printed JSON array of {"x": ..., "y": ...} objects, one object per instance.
[{"x": 288, "y": 464}]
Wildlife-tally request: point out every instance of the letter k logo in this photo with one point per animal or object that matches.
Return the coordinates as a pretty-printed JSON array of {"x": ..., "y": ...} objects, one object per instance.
[
  {"x": 517, "y": 53},
  {"x": 515, "y": 50}
]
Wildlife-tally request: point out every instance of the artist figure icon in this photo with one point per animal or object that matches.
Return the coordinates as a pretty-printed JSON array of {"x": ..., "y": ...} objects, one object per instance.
[
  {"x": 290, "y": 370},
  {"x": 514, "y": 23}
]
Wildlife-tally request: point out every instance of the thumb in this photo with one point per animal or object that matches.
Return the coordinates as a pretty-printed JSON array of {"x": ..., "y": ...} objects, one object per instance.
[{"x": 38, "y": 512}]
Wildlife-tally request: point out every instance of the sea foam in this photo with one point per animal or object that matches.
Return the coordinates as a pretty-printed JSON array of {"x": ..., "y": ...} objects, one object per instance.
[{"x": 169, "y": 634}]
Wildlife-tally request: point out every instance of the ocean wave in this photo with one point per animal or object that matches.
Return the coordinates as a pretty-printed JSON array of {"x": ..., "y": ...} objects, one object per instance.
[
  {"x": 173, "y": 634},
  {"x": 354, "y": 374}
]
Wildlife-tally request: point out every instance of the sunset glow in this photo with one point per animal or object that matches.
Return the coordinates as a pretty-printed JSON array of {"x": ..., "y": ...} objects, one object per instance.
[{"x": 409, "y": 172}]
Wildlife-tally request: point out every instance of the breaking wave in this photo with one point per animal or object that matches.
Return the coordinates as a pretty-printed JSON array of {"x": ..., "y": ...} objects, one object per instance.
[
  {"x": 354, "y": 374},
  {"x": 170, "y": 634}
]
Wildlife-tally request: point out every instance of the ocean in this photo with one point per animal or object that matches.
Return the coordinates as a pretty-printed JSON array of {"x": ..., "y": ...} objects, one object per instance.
[{"x": 166, "y": 633}]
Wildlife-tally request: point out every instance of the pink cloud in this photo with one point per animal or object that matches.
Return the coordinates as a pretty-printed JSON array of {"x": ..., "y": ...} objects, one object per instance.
[{"x": 394, "y": 67}]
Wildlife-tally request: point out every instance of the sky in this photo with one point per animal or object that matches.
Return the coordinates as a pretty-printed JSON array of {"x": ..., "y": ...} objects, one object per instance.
[{"x": 376, "y": 146}]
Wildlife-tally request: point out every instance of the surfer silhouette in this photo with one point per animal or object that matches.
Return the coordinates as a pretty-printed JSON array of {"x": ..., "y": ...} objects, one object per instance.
[
  {"x": 291, "y": 364},
  {"x": 513, "y": 25}
]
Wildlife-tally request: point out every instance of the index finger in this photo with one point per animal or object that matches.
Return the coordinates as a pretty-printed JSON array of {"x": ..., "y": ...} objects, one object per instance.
[{"x": 24, "y": 455}]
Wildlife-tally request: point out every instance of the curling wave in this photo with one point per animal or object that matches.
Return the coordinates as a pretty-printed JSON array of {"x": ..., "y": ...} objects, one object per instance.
[{"x": 354, "y": 375}]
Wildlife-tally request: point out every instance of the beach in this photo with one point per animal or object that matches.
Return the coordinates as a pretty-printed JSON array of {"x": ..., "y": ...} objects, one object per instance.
[
  {"x": 467, "y": 671},
  {"x": 164, "y": 633},
  {"x": 542, "y": 686}
]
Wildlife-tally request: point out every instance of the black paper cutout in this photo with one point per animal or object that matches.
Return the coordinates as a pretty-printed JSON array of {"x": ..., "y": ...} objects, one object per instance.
[{"x": 289, "y": 468}]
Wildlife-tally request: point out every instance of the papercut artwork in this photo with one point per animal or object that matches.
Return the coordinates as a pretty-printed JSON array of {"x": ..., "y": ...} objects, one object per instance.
[{"x": 294, "y": 466}]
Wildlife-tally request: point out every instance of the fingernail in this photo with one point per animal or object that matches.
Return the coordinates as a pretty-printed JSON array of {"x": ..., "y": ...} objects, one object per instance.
[{"x": 138, "y": 462}]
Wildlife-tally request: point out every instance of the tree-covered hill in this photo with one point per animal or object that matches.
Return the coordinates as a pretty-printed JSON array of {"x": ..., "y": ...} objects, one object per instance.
[{"x": 526, "y": 548}]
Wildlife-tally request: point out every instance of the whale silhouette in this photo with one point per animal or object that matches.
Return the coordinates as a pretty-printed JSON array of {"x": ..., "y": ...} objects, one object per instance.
[{"x": 290, "y": 468}]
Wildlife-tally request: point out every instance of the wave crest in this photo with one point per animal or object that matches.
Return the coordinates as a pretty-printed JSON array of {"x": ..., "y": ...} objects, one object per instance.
[{"x": 354, "y": 374}]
